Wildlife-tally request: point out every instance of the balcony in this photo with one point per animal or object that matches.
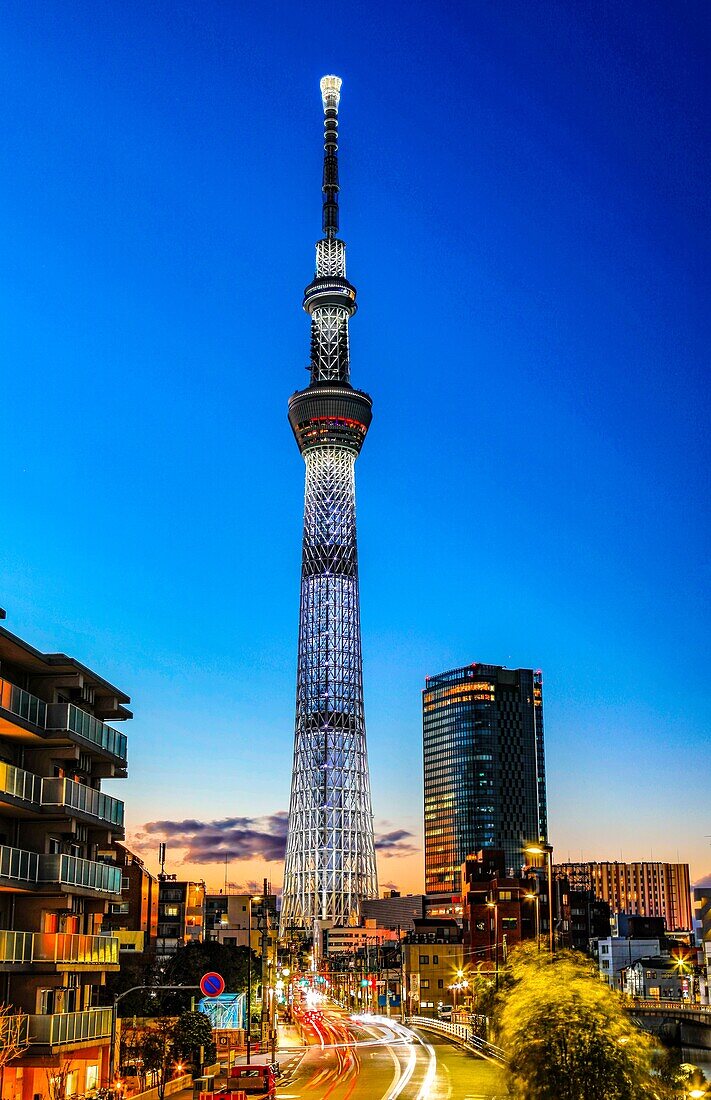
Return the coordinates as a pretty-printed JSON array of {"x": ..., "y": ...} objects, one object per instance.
[
  {"x": 18, "y": 867},
  {"x": 63, "y": 947},
  {"x": 63, "y": 1028},
  {"x": 58, "y": 947},
  {"x": 65, "y": 716},
  {"x": 22, "y": 704},
  {"x": 20, "y": 785},
  {"x": 84, "y": 873},
  {"x": 83, "y": 799},
  {"x": 61, "y": 717}
]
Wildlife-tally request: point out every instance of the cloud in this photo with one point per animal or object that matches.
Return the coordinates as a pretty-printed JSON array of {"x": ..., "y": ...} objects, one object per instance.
[
  {"x": 244, "y": 838},
  {"x": 228, "y": 838},
  {"x": 395, "y": 843}
]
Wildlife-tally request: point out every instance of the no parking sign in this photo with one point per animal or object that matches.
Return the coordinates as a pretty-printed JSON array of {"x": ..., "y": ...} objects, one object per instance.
[{"x": 212, "y": 984}]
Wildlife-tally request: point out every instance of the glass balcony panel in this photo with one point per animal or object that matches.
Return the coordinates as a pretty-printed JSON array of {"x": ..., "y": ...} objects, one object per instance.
[
  {"x": 65, "y": 947},
  {"x": 20, "y": 702},
  {"x": 18, "y": 865},
  {"x": 70, "y": 1027},
  {"x": 67, "y": 716},
  {"x": 20, "y": 784},
  {"x": 74, "y": 871},
  {"x": 80, "y": 796},
  {"x": 15, "y": 947}
]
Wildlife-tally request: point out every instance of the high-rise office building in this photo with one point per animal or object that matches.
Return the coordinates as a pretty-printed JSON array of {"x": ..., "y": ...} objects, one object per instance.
[
  {"x": 330, "y": 852},
  {"x": 484, "y": 769}
]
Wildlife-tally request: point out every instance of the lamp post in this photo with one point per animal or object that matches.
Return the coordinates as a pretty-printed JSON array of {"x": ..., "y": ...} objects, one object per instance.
[
  {"x": 249, "y": 979},
  {"x": 547, "y": 851},
  {"x": 535, "y": 897},
  {"x": 495, "y": 906}
]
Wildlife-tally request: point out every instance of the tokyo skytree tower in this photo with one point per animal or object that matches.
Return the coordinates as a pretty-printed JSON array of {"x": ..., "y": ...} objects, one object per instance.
[{"x": 330, "y": 853}]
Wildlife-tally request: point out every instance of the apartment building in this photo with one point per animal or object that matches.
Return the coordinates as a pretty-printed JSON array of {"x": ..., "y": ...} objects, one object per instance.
[
  {"x": 55, "y": 749},
  {"x": 134, "y": 919},
  {"x": 645, "y": 889},
  {"x": 181, "y": 913}
]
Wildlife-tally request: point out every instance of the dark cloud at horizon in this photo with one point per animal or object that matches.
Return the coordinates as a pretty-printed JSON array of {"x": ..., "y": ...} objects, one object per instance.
[
  {"x": 244, "y": 838},
  {"x": 395, "y": 843},
  {"x": 228, "y": 838}
]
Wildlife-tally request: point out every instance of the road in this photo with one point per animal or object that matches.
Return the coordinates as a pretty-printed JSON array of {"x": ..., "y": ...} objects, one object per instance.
[{"x": 381, "y": 1060}]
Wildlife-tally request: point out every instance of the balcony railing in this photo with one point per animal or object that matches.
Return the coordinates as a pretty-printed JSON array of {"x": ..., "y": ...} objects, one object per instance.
[
  {"x": 18, "y": 865},
  {"x": 65, "y": 716},
  {"x": 74, "y": 871},
  {"x": 70, "y": 1027},
  {"x": 61, "y": 716},
  {"x": 65, "y": 947},
  {"x": 20, "y": 784},
  {"x": 58, "y": 947},
  {"x": 15, "y": 947},
  {"x": 21, "y": 703},
  {"x": 81, "y": 797}
]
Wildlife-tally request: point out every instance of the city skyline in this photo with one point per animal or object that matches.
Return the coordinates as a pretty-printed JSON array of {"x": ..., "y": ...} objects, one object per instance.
[{"x": 540, "y": 289}]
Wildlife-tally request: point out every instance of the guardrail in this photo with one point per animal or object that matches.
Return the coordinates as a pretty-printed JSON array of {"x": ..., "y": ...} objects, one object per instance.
[{"x": 461, "y": 1033}]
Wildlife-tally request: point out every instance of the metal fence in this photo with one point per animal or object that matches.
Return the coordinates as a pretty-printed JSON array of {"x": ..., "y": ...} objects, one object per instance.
[{"x": 461, "y": 1033}]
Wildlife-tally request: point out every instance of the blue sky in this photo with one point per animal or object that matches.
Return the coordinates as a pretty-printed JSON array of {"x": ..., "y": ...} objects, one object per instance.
[{"x": 527, "y": 225}]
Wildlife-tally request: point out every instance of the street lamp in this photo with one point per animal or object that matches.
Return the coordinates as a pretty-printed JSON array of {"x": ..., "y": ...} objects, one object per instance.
[
  {"x": 495, "y": 906},
  {"x": 547, "y": 851},
  {"x": 536, "y": 898},
  {"x": 249, "y": 979}
]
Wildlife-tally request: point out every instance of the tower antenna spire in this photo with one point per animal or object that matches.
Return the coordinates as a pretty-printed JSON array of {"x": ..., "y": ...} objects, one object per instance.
[{"x": 330, "y": 96}]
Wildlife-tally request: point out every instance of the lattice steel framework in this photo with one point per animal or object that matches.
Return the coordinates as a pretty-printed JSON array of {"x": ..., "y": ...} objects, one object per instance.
[{"x": 330, "y": 853}]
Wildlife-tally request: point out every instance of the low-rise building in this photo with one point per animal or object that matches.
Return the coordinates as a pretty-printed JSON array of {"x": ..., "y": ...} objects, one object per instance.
[
  {"x": 657, "y": 977},
  {"x": 615, "y": 955},
  {"x": 433, "y": 962},
  {"x": 702, "y": 922}
]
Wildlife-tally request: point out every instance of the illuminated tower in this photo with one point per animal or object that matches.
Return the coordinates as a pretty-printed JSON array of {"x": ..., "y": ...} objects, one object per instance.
[{"x": 330, "y": 854}]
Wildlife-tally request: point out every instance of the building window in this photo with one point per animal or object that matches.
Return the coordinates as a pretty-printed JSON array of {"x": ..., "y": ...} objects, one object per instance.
[
  {"x": 425, "y": 983},
  {"x": 440, "y": 983},
  {"x": 424, "y": 960},
  {"x": 435, "y": 960},
  {"x": 604, "y": 949}
]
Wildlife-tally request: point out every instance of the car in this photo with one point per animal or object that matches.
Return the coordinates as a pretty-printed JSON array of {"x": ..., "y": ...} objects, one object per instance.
[{"x": 256, "y": 1081}]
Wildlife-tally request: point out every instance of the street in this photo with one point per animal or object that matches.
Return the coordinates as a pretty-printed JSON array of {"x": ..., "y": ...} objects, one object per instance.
[{"x": 378, "y": 1059}]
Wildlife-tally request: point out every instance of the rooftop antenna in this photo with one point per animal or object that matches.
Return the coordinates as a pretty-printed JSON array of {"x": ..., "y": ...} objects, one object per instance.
[{"x": 161, "y": 859}]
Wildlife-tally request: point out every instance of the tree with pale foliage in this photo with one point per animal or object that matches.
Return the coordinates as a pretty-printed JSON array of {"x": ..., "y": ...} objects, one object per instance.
[
  {"x": 566, "y": 1034},
  {"x": 13, "y": 1034}
]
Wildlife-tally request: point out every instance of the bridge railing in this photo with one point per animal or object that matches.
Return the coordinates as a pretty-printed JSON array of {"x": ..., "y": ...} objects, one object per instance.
[
  {"x": 461, "y": 1033},
  {"x": 660, "y": 1005}
]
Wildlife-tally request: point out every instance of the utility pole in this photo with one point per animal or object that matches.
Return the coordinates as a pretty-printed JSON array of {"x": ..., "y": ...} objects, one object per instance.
[{"x": 264, "y": 928}]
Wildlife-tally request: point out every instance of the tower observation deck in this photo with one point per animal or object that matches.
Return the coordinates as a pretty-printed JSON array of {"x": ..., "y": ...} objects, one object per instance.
[{"x": 330, "y": 853}]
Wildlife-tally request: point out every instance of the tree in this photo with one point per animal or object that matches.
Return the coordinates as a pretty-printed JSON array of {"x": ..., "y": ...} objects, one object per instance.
[
  {"x": 14, "y": 1036},
  {"x": 57, "y": 1077},
  {"x": 193, "y": 1030},
  {"x": 158, "y": 1050},
  {"x": 137, "y": 970},
  {"x": 566, "y": 1034}
]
